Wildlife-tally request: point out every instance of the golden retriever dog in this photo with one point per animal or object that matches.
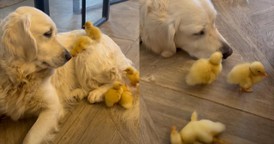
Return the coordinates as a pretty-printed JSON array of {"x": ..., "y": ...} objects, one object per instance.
[
  {"x": 34, "y": 79},
  {"x": 186, "y": 24},
  {"x": 29, "y": 54}
]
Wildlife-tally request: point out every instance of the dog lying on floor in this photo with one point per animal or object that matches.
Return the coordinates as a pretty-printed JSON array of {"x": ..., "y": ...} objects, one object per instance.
[
  {"x": 33, "y": 80},
  {"x": 186, "y": 24}
]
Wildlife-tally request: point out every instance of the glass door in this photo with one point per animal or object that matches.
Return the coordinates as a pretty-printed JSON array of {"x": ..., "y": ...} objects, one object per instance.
[
  {"x": 96, "y": 11},
  {"x": 69, "y": 15}
]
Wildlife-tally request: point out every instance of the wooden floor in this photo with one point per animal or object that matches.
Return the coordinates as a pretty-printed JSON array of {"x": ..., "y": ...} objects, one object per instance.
[
  {"x": 167, "y": 100},
  {"x": 249, "y": 118}
]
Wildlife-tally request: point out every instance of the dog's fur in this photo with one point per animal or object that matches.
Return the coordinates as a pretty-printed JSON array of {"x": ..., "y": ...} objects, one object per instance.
[
  {"x": 32, "y": 79},
  {"x": 187, "y": 24},
  {"x": 93, "y": 71}
]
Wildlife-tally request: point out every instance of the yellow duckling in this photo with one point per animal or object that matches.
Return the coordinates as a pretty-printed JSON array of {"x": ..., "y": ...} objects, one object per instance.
[
  {"x": 132, "y": 75},
  {"x": 175, "y": 137},
  {"x": 202, "y": 131},
  {"x": 80, "y": 45},
  {"x": 205, "y": 71},
  {"x": 126, "y": 100},
  {"x": 246, "y": 75},
  {"x": 92, "y": 31},
  {"x": 113, "y": 95}
]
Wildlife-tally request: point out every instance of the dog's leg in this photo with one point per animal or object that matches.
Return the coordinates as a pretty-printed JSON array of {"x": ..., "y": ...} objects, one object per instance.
[
  {"x": 45, "y": 124},
  {"x": 97, "y": 95},
  {"x": 47, "y": 121}
]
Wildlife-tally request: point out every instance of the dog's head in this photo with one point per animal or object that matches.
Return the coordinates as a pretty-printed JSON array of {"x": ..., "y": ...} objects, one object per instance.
[
  {"x": 196, "y": 31},
  {"x": 29, "y": 35}
]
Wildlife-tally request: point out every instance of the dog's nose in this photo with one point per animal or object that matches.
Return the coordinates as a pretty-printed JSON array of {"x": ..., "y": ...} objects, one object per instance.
[
  {"x": 226, "y": 50},
  {"x": 67, "y": 55}
]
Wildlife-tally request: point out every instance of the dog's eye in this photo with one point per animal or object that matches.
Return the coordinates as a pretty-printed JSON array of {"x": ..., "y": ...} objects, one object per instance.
[
  {"x": 200, "y": 33},
  {"x": 48, "y": 34}
]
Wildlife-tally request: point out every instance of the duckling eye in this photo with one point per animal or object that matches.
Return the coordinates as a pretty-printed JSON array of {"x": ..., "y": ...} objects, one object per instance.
[{"x": 258, "y": 71}]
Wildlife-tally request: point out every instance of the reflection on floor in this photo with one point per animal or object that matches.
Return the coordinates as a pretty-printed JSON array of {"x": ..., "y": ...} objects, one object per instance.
[{"x": 88, "y": 123}]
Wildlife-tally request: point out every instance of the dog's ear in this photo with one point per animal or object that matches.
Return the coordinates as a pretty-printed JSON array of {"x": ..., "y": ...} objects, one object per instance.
[
  {"x": 17, "y": 38},
  {"x": 160, "y": 38},
  {"x": 30, "y": 49}
]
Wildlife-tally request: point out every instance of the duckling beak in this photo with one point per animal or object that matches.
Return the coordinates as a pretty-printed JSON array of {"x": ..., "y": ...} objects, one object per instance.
[
  {"x": 264, "y": 74},
  {"x": 126, "y": 70},
  {"x": 85, "y": 25}
]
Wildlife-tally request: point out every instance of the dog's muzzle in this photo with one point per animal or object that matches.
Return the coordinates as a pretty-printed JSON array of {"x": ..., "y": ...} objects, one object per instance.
[{"x": 226, "y": 50}]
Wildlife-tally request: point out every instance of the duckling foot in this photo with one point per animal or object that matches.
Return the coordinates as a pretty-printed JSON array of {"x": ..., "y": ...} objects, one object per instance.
[
  {"x": 218, "y": 141},
  {"x": 246, "y": 90}
]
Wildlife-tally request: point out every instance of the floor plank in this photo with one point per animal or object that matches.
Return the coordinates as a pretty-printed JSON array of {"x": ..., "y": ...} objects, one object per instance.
[
  {"x": 168, "y": 107},
  {"x": 171, "y": 73},
  {"x": 126, "y": 24}
]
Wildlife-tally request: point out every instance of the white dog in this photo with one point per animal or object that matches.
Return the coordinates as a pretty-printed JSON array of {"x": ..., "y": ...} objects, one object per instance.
[
  {"x": 187, "y": 24},
  {"x": 32, "y": 81}
]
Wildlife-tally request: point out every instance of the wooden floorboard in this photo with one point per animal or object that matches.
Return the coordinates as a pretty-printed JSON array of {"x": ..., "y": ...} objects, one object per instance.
[
  {"x": 126, "y": 24},
  {"x": 169, "y": 107},
  {"x": 148, "y": 133},
  {"x": 12, "y": 132},
  {"x": 170, "y": 73}
]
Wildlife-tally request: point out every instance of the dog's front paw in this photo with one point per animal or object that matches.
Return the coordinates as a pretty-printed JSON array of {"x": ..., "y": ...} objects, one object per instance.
[
  {"x": 78, "y": 94},
  {"x": 95, "y": 96},
  {"x": 167, "y": 54}
]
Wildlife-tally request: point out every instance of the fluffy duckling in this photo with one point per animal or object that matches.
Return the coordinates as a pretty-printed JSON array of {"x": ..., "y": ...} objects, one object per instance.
[
  {"x": 175, "y": 137},
  {"x": 80, "y": 45},
  {"x": 126, "y": 100},
  {"x": 205, "y": 71},
  {"x": 201, "y": 130},
  {"x": 113, "y": 95},
  {"x": 246, "y": 75},
  {"x": 132, "y": 75},
  {"x": 92, "y": 31}
]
